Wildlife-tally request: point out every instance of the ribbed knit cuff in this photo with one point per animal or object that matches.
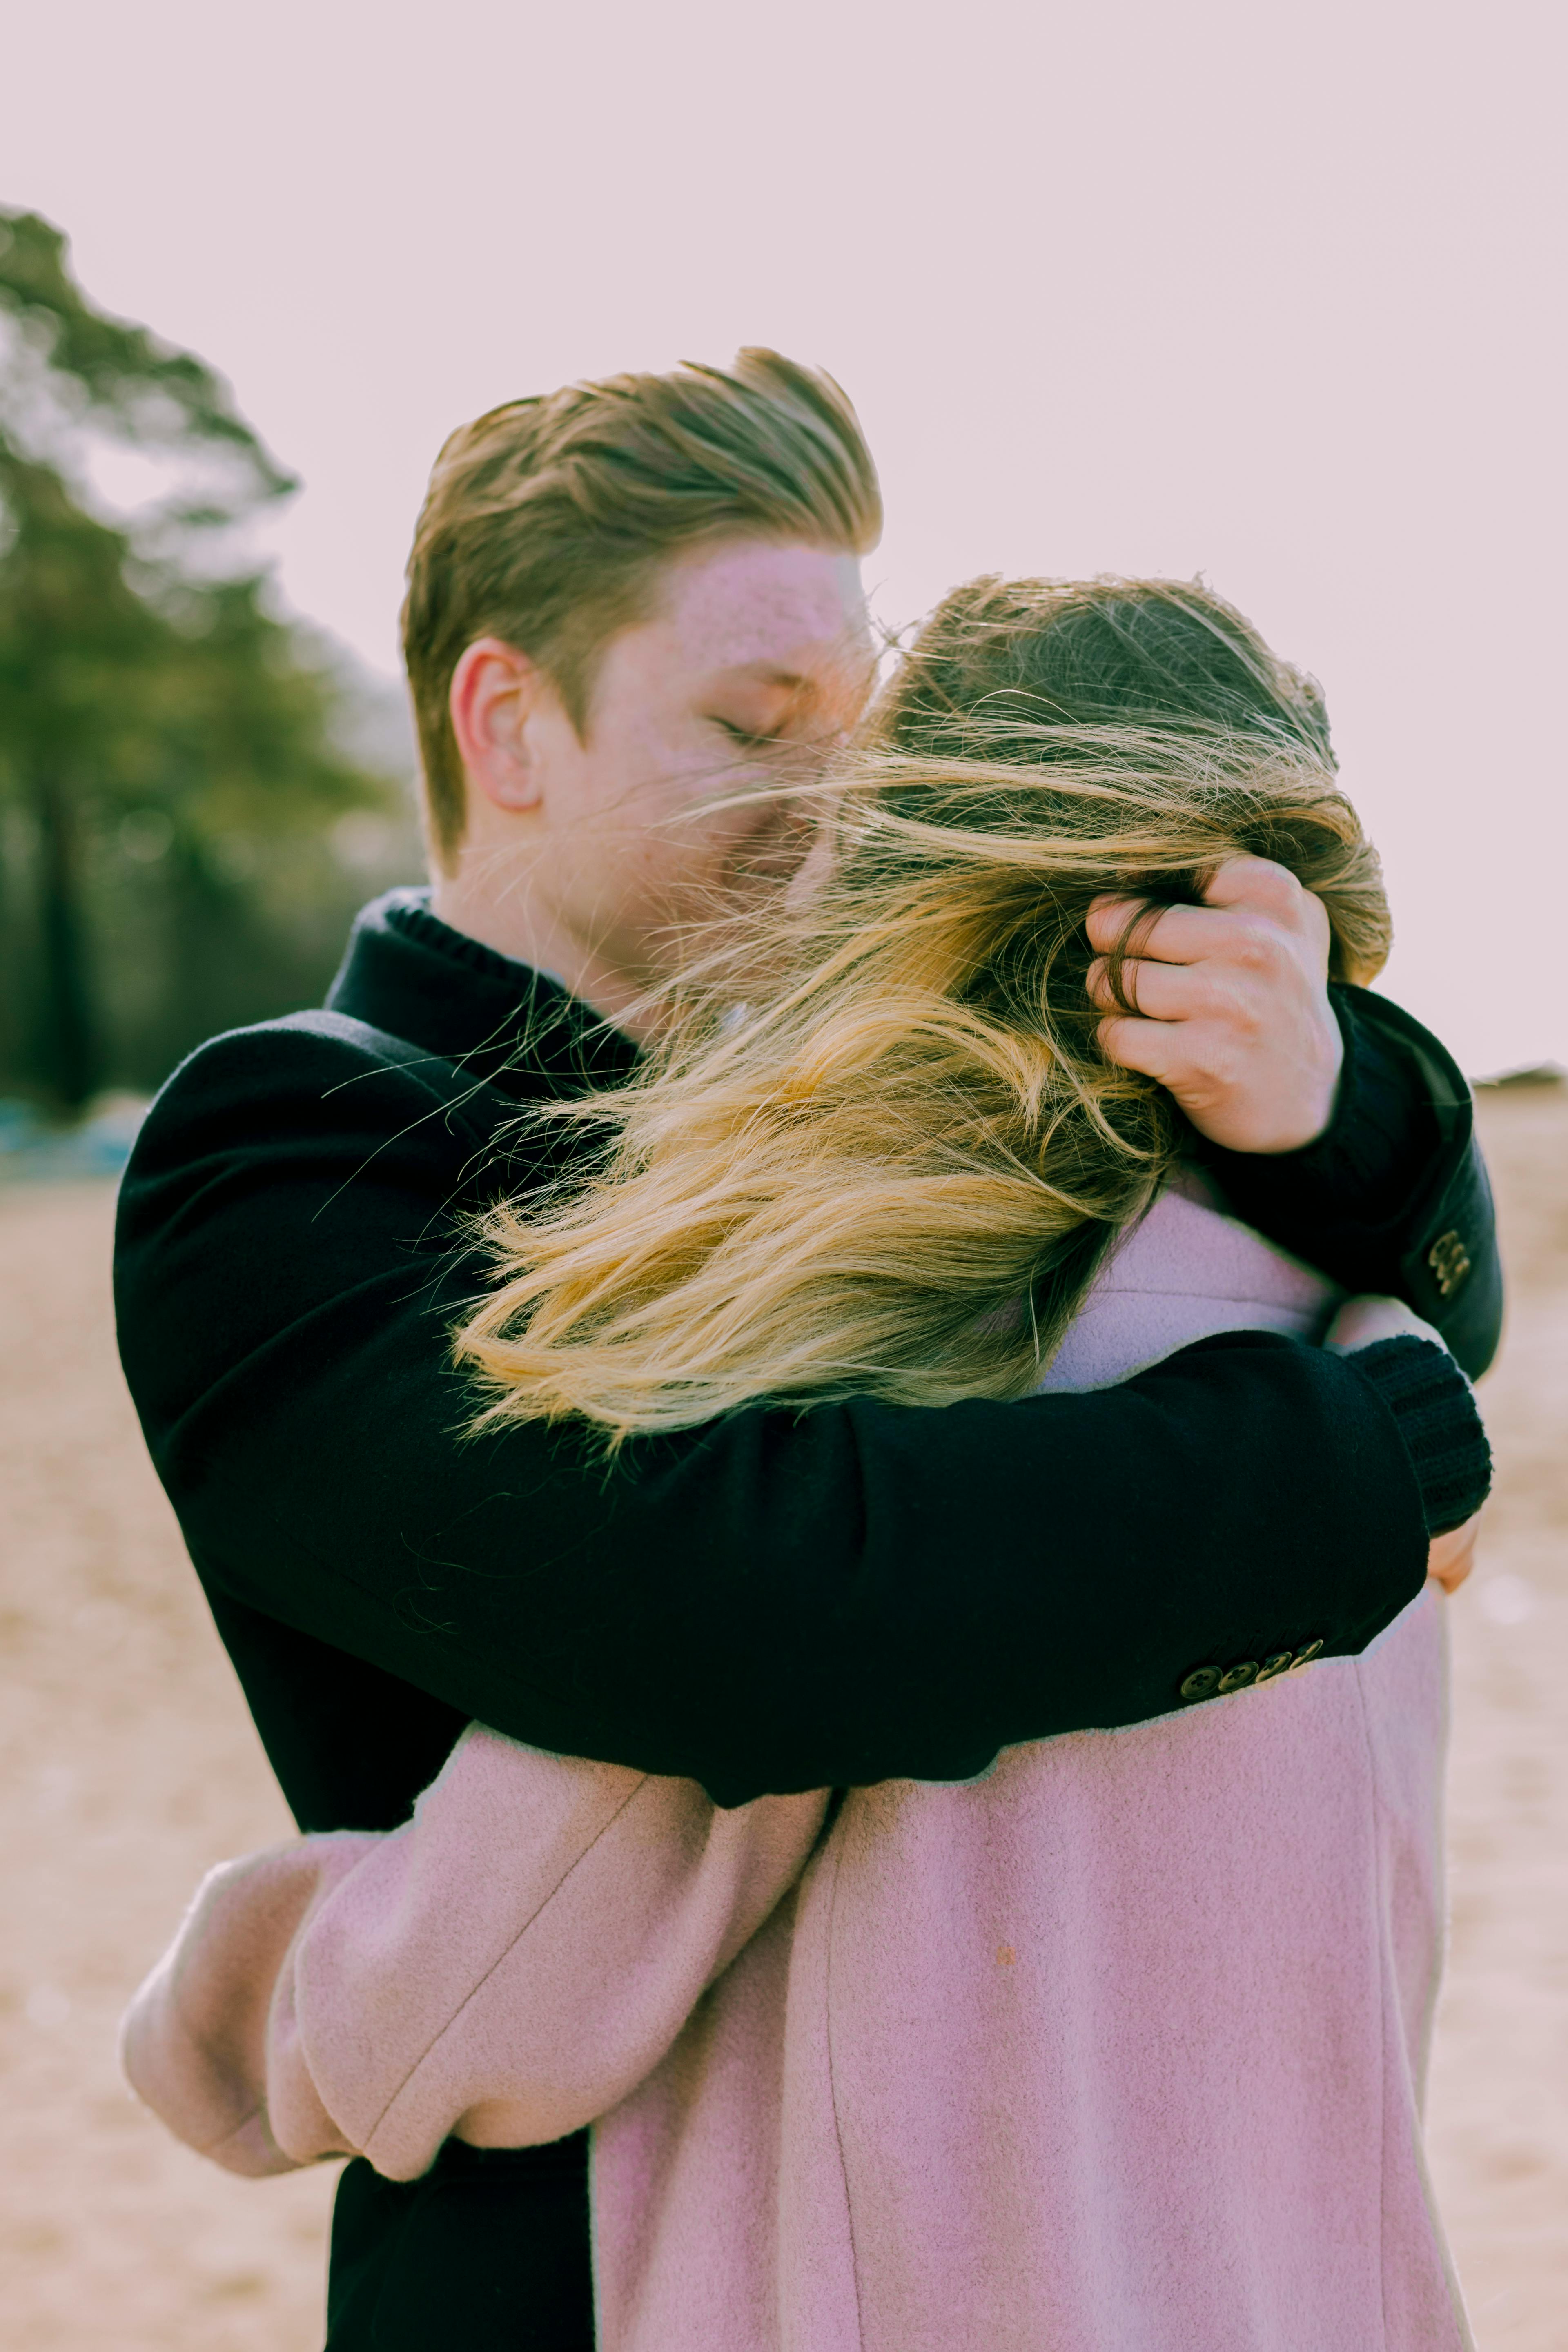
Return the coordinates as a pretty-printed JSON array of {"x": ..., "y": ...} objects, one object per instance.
[{"x": 1431, "y": 1400}]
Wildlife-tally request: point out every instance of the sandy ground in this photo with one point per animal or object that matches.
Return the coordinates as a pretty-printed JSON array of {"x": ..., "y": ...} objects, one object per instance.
[{"x": 127, "y": 1765}]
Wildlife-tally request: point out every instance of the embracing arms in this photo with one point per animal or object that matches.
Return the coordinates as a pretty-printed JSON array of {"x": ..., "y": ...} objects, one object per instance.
[
  {"x": 774, "y": 1603},
  {"x": 505, "y": 1967}
]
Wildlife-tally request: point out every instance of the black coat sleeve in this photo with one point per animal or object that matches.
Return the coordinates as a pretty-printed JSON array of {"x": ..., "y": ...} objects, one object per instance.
[
  {"x": 1393, "y": 1199},
  {"x": 775, "y": 1602}
]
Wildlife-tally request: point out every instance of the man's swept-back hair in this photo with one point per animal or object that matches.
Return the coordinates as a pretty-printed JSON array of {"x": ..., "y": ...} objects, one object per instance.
[
  {"x": 547, "y": 520},
  {"x": 891, "y": 1166}
]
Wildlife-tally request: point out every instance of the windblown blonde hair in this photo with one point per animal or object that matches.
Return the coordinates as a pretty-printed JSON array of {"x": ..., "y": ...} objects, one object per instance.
[{"x": 892, "y": 1170}]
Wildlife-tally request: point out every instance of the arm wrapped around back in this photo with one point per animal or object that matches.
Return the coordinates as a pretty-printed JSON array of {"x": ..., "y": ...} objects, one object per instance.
[{"x": 348, "y": 1994}]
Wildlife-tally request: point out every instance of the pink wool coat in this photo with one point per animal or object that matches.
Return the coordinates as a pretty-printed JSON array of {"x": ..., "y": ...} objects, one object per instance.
[{"x": 1120, "y": 2049}]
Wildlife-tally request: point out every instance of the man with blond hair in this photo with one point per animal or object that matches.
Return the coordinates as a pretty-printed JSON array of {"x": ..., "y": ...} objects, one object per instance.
[{"x": 627, "y": 602}]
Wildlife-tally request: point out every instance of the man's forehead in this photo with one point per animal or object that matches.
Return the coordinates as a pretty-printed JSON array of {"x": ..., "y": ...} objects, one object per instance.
[{"x": 771, "y": 611}]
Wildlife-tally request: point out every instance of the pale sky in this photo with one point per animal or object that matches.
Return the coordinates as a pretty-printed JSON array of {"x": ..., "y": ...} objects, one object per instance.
[{"x": 1272, "y": 293}]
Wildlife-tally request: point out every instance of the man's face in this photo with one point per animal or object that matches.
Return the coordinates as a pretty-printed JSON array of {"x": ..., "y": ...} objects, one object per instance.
[{"x": 756, "y": 662}]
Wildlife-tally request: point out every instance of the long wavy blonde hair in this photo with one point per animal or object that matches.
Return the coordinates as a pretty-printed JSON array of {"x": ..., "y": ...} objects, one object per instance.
[{"x": 878, "y": 1151}]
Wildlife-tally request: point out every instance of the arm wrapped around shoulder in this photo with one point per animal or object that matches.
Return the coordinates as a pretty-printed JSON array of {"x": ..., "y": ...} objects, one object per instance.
[{"x": 504, "y": 1968}]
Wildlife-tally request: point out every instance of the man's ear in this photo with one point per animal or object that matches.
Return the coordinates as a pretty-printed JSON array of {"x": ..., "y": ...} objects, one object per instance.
[{"x": 495, "y": 690}]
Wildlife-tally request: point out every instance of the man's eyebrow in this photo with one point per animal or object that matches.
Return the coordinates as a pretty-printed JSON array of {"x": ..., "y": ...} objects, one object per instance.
[{"x": 763, "y": 673}]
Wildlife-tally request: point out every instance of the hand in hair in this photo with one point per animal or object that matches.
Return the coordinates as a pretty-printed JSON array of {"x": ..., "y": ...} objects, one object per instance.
[{"x": 1232, "y": 1006}]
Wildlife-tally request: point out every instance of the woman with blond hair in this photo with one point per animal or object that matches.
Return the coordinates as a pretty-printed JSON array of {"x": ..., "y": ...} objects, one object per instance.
[{"x": 1122, "y": 2046}]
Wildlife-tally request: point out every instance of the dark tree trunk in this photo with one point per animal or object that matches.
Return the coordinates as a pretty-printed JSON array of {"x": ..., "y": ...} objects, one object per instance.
[
  {"x": 69, "y": 1052},
  {"x": 12, "y": 1040}
]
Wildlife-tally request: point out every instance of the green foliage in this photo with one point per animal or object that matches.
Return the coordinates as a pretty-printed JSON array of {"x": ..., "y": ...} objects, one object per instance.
[{"x": 174, "y": 757}]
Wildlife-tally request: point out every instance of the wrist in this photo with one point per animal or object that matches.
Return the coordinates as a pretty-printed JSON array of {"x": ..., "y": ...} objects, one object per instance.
[
  {"x": 1382, "y": 1135},
  {"x": 1323, "y": 1092}
]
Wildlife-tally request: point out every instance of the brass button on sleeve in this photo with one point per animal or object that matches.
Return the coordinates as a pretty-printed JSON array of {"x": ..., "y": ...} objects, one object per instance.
[
  {"x": 1450, "y": 1261},
  {"x": 1237, "y": 1677},
  {"x": 1304, "y": 1657},
  {"x": 1274, "y": 1666},
  {"x": 1199, "y": 1683}
]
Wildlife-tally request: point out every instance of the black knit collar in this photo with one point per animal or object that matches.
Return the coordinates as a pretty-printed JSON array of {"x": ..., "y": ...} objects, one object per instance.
[{"x": 407, "y": 973}]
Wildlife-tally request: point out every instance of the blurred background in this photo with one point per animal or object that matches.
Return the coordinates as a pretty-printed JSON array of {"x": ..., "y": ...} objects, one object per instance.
[
  {"x": 196, "y": 784},
  {"x": 1261, "y": 291},
  {"x": 1270, "y": 292}
]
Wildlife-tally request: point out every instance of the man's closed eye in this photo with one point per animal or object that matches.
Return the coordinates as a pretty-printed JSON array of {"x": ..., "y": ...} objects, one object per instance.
[{"x": 744, "y": 737}]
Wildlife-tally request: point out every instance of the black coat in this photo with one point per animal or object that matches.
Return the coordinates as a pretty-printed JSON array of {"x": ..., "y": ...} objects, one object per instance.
[{"x": 776, "y": 1603}]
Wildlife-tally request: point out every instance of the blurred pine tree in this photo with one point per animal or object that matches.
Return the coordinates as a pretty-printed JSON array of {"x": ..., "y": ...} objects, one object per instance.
[{"x": 174, "y": 757}]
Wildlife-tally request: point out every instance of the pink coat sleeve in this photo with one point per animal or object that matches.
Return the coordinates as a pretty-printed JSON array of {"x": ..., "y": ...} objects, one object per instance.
[{"x": 505, "y": 1967}]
